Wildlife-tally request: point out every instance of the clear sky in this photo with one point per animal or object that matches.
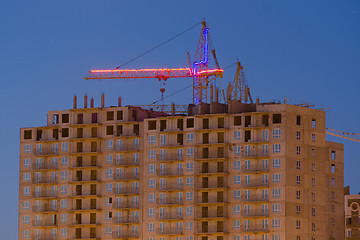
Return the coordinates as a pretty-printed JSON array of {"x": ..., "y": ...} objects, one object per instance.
[{"x": 303, "y": 50}]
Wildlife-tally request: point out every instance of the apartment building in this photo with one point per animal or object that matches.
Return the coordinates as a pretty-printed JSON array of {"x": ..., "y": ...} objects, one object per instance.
[
  {"x": 352, "y": 215},
  {"x": 240, "y": 171}
]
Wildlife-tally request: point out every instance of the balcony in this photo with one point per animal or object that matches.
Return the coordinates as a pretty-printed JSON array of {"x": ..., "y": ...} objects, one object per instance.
[
  {"x": 45, "y": 152},
  {"x": 171, "y": 187},
  {"x": 253, "y": 154},
  {"x": 210, "y": 171},
  {"x": 255, "y": 228},
  {"x": 257, "y": 140},
  {"x": 201, "y": 201},
  {"x": 212, "y": 231},
  {"x": 44, "y": 237},
  {"x": 170, "y": 172},
  {"x": 125, "y": 235},
  {"x": 127, "y": 148},
  {"x": 169, "y": 232},
  {"x": 204, "y": 216},
  {"x": 210, "y": 186},
  {"x": 77, "y": 179},
  {"x": 124, "y": 177},
  {"x": 126, "y": 205},
  {"x": 170, "y": 201},
  {"x": 170, "y": 158},
  {"x": 45, "y": 180},
  {"x": 256, "y": 198},
  {"x": 45, "y": 195},
  {"x": 44, "y": 208},
  {"x": 126, "y": 191},
  {"x": 126, "y": 220},
  {"x": 126, "y": 162},
  {"x": 84, "y": 223},
  {"x": 255, "y": 184},
  {"x": 254, "y": 169},
  {"x": 255, "y": 213},
  {"x": 169, "y": 216},
  {"x": 44, "y": 223},
  {"x": 45, "y": 166}
]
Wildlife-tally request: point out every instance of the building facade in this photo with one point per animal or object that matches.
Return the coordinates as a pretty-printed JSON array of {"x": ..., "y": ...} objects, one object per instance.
[
  {"x": 237, "y": 171},
  {"x": 352, "y": 216}
]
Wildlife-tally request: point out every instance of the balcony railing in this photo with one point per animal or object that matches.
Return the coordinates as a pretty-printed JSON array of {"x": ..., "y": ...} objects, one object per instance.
[
  {"x": 170, "y": 232},
  {"x": 44, "y": 194},
  {"x": 126, "y": 205},
  {"x": 255, "y": 228},
  {"x": 212, "y": 215},
  {"x": 170, "y": 172},
  {"x": 44, "y": 223},
  {"x": 210, "y": 185},
  {"x": 45, "y": 208},
  {"x": 44, "y": 237},
  {"x": 127, "y": 147},
  {"x": 171, "y": 187},
  {"x": 173, "y": 216},
  {"x": 210, "y": 171},
  {"x": 47, "y": 180},
  {"x": 126, "y": 234},
  {"x": 255, "y": 213},
  {"x": 126, "y": 162},
  {"x": 126, "y": 220},
  {"x": 126, "y": 191},
  {"x": 45, "y": 166},
  {"x": 255, "y": 198},
  {"x": 211, "y": 201},
  {"x": 128, "y": 176},
  {"x": 253, "y": 169},
  {"x": 170, "y": 201}
]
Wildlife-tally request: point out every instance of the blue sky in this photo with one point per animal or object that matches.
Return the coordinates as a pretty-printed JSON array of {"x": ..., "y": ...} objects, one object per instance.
[{"x": 303, "y": 50}]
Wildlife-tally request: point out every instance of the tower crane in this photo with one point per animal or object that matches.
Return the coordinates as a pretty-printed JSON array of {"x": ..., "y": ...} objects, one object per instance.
[
  {"x": 239, "y": 91},
  {"x": 200, "y": 72},
  {"x": 346, "y": 135}
]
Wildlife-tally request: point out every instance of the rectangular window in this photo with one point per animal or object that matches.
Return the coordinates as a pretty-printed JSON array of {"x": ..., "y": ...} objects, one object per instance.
[
  {"x": 237, "y": 179},
  {"x": 63, "y": 232},
  {"x": 237, "y": 150},
  {"x": 237, "y": 165},
  {"x": 189, "y": 167},
  {"x": 237, "y": 135},
  {"x": 313, "y": 197},
  {"x": 332, "y": 181},
  {"x": 276, "y": 133},
  {"x": 26, "y": 205},
  {"x": 236, "y": 224},
  {"x": 276, "y": 223},
  {"x": 298, "y": 135},
  {"x": 63, "y": 189},
  {"x": 298, "y": 194},
  {"x": 189, "y": 211},
  {"x": 151, "y": 197},
  {"x": 276, "y": 193},
  {"x": 63, "y": 218},
  {"x": 109, "y": 158},
  {"x": 313, "y": 123},
  {"x": 108, "y": 230},
  {"x": 152, "y": 154},
  {"x": 190, "y": 137},
  {"x": 151, "y": 168},
  {"x": 313, "y": 212},
  {"x": 190, "y": 152},
  {"x": 236, "y": 194},
  {"x": 333, "y": 155},
  {"x": 298, "y": 226},
  {"x": 109, "y": 144},
  {"x": 151, "y": 212},
  {"x": 298, "y": 150},
  {"x": 276, "y": 178},
  {"x": 276, "y": 148},
  {"x": 109, "y": 173},
  {"x": 276, "y": 208},
  {"x": 152, "y": 139},
  {"x": 63, "y": 203},
  {"x": 26, "y": 233},
  {"x": 151, "y": 183},
  {"x": 27, "y": 162},
  {"x": 298, "y": 210},
  {"x": 64, "y": 175},
  {"x": 64, "y": 161},
  {"x": 313, "y": 137},
  {"x": 151, "y": 227},
  {"x": 237, "y": 209},
  {"x": 180, "y": 153},
  {"x": 189, "y": 181},
  {"x": 276, "y": 163},
  {"x": 162, "y": 139},
  {"x": 27, "y": 177},
  {"x": 189, "y": 196},
  {"x": 298, "y": 180},
  {"x": 27, "y": 148},
  {"x": 313, "y": 182},
  {"x": 189, "y": 227},
  {"x": 108, "y": 187},
  {"x": 313, "y": 152}
]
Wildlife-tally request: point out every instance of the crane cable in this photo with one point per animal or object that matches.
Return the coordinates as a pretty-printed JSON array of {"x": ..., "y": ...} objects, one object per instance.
[{"x": 159, "y": 45}]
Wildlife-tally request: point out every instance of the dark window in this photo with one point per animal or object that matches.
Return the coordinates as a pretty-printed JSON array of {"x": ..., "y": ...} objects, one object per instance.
[
  {"x": 55, "y": 118},
  {"x": 162, "y": 125},
  {"x": 136, "y": 129},
  {"x": 190, "y": 123},
  {"x": 247, "y": 121},
  {"x": 180, "y": 138},
  {"x": 110, "y": 116},
  {"x": 79, "y": 147},
  {"x": 65, "y": 118},
  {"x": 247, "y": 135},
  {"x": 39, "y": 134},
  {"x": 119, "y": 115},
  {"x": 205, "y": 137},
  {"x": 109, "y": 130},
  {"x": 27, "y": 134},
  {"x": 313, "y": 123},
  {"x": 220, "y": 122},
  {"x": 180, "y": 124},
  {"x": 220, "y": 152},
  {"x": 80, "y": 118},
  {"x": 276, "y": 118},
  {"x": 94, "y": 118},
  {"x": 237, "y": 120},
  {"x": 93, "y": 147},
  {"x": 56, "y": 133},
  {"x": 220, "y": 137},
  {"x": 152, "y": 125},
  {"x": 205, "y": 123},
  {"x": 298, "y": 120},
  {"x": 265, "y": 120},
  {"x": 65, "y": 132},
  {"x": 94, "y": 132},
  {"x": 119, "y": 130},
  {"x": 134, "y": 114},
  {"x": 79, "y": 132},
  {"x": 205, "y": 153}
]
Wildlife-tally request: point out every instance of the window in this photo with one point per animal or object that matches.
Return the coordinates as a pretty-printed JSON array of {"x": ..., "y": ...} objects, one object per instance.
[
  {"x": 276, "y": 163},
  {"x": 108, "y": 201},
  {"x": 64, "y": 161},
  {"x": 180, "y": 153},
  {"x": 237, "y": 165},
  {"x": 237, "y": 150},
  {"x": 313, "y": 212},
  {"x": 298, "y": 226},
  {"x": 152, "y": 139},
  {"x": 236, "y": 224},
  {"x": 298, "y": 210},
  {"x": 237, "y": 209},
  {"x": 276, "y": 223},
  {"x": 313, "y": 167},
  {"x": 190, "y": 123},
  {"x": 189, "y": 181},
  {"x": 109, "y": 144},
  {"x": 332, "y": 181},
  {"x": 27, "y": 177},
  {"x": 276, "y": 133},
  {"x": 108, "y": 187},
  {"x": 152, "y": 154},
  {"x": 26, "y": 233},
  {"x": 151, "y": 183},
  {"x": 189, "y": 167},
  {"x": 109, "y": 173},
  {"x": 298, "y": 180},
  {"x": 63, "y": 203},
  {"x": 162, "y": 139},
  {"x": 151, "y": 168},
  {"x": 190, "y": 152},
  {"x": 151, "y": 212},
  {"x": 348, "y": 233},
  {"x": 236, "y": 194},
  {"x": 276, "y": 193},
  {"x": 298, "y": 135},
  {"x": 65, "y": 132},
  {"x": 63, "y": 232},
  {"x": 276, "y": 118},
  {"x": 298, "y": 120},
  {"x": 298, "y": 150},
  {"x": 26, "y": 205},
  {"x": 313, "y": 137},
  {"x": 276, "y": 208},
  {"x": 63, "y": 218},
  {"x": 313, "y": 227},
  {"x": 64, "y": 175},
  {"x": 313, "y": 182},
  {"x": 313, "y": 152},
  {"x": 27, "y": 148},
  {"x": 298, "y": 164},
  {"x": 189, "y": 226},
  {"x": 313, "y": 197},
  {"x": 63, "y": 189},
  {"x": 27, "y": 162},
  {"x": 108, "y": 230},
  {"x": 237, "y": 135},
  {"x": 151, "y": 197},
  {"x": 189, "y": 196},
  {"x": 189, "y": 211},
  {"x": 298, "y": 194},
  {"x": 333, "y": 168},
  {"x": 190, "y": 137},
  {"x": 332, "y": 208},
  {"x": 109, "y": 158},
  {"x": 276, "y": 178},
  {"x": 332, "y": 194},
  {"x": 276, "y": 148},
  {"x": 151, "y": 227},
  {"x": 26, "y": 219},
  {"x": 333, "y": 155},
  {"x": 237, "y": 179},
  {"x": 313, "y": 123}
]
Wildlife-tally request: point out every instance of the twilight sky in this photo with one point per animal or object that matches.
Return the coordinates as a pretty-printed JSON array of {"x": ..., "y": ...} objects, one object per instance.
[{"x": 303, "y": 50}]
